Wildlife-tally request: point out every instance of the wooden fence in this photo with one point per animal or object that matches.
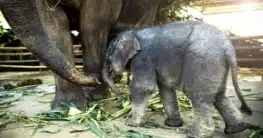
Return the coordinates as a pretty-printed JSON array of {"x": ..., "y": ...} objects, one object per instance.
[
  {"x": 249, "y": 56},
  {"x": 20, "y": 58}
]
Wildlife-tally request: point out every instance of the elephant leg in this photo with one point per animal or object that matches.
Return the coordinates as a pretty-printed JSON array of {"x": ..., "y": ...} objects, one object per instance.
[
  {"x": 67, "y": 92},
  {"x": 140, "y": 97},
  {"x": 57, "y": 27},
  {"x": 95, "y": 20},
  {"x": 170, "y": 103},
  {"x": 142, "y": 86},
  {"x": 231, "y": 115},
  {"x": 203, "y": 121}
]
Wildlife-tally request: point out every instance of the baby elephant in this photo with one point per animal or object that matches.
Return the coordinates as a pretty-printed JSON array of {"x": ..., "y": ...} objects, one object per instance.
[{"x": 191, "y": 56}]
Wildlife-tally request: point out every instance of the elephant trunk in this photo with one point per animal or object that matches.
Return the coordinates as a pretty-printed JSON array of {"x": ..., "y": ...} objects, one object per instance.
[
  {"x": 109, "y": 79},
  {"x": 24, "y": 19}
]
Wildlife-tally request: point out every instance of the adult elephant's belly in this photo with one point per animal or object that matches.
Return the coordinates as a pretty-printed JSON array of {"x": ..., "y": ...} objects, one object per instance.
[
  {"x": 136, "y": 14},
  {"x": 69, "y": 3}
]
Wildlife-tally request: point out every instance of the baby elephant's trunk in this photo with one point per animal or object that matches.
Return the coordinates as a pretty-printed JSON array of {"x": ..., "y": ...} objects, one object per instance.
[{"x": 109, "y": 79}]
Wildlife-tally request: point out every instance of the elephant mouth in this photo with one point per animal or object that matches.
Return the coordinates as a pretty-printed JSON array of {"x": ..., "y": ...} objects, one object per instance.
[
  {"x": 109, "y": 74},
  {"x": 112, "y": 73},
  {"x": 116, "y": 69}
]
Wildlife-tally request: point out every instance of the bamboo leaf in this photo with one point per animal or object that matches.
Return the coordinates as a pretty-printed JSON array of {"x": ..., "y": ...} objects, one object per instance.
[{"x": 97, "y": 131}]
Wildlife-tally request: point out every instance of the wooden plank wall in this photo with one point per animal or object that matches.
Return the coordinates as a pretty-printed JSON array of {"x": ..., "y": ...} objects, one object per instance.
[
  {"x": 21, "y": 58},
  {"x": 249, "y": 56}
]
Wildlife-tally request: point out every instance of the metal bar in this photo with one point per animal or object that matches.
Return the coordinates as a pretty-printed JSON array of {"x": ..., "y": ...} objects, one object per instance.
[
  {"x": 248, "y": 47},
  {"x": 79, "y": 46},
  {"x": 31, "y": 61},
  {"x": 226, "y": 3},
  {"x": 250, "y": 60},
  {"x": 246, "y": 37},
  {"x": 28, "y": 67},
  {"x": 78, "y": 52},
  {"x": 13, "y": 48},
  {"x": 15, "y": 54},
  {"x": 76, "y": 46},
  {"x": 249, "y": 53},
  {"x": 19, "y": 61},
  {"x": 24, "y": 48}
]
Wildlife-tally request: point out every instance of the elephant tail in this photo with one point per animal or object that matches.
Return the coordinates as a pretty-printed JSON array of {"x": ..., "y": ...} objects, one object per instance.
[{"x": 232, "y": 61}]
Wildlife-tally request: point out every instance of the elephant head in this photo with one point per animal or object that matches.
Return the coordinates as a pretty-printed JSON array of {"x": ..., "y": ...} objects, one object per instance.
[
  {"x": 25, "y": 21},
  {"x": 120, "y": 51}
]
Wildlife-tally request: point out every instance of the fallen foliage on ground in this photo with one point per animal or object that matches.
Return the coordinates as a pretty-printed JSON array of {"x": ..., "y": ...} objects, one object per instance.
[
  {"x": 27, "y": 82},
  {"x": 97, "y": 113},
  {"x": 91, "y": 118}
]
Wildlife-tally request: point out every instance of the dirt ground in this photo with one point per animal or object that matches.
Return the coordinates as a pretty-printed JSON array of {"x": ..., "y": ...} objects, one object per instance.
[{"x": 30, "y": 105}]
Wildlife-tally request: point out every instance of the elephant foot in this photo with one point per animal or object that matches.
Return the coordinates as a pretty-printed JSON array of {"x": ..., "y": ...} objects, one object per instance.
[
  {"x": 201, "y": 130},
  {"x": 178, "y": 122},
  {"x": 135, "y": 122},
  {"x": 232, "y": 129},
  {"x": 246, "y": 110},
  {"x": 66, "y": 98},
  {"x": 190, "y": 136},
  {"x": 97, "y": 93},
  {"x": 194, "y": 134}
]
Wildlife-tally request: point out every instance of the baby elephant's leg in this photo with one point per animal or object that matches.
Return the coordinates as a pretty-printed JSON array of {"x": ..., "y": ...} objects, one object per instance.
[
  {"x": 231, "y": 115},
  {"x": 169, "y": 100},
  {"x": 141, "y": 89},
  {"x": 203, "y": 121},
  {"x": 139, "y": 98}
]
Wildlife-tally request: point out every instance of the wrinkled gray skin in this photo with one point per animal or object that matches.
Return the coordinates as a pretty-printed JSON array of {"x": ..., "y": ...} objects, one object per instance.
[
  {"x": 190, "y": 56},
  {"x": 46, "y": 33}
]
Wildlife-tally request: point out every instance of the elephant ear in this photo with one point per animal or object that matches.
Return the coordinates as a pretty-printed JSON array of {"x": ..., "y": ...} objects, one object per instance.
[{"x": 131, "y": 46}]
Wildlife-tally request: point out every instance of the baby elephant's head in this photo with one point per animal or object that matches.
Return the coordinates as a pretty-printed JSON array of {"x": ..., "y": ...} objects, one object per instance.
[{"x": 118, "y": 54}]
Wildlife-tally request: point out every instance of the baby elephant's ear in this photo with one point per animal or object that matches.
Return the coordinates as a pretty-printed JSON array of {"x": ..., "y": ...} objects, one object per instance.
[
  {"x": 136, "y": 44},
  {"x": 133, "y": 47},
  {"x": 130, "y": 47}
]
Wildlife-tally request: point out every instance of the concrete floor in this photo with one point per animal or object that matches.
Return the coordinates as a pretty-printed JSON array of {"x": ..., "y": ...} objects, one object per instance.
[{"x": 30, "y": 105}]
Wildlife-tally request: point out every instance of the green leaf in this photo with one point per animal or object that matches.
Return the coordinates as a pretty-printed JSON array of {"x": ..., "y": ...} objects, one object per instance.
[
  {"x": 97, "y": 131},
  {"x": 217, "y": 117},
  {"x": 253, "y": 134},
  {"x": 74, "y": 111}
]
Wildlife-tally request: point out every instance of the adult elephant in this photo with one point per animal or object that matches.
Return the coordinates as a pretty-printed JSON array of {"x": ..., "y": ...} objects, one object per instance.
[{"x": 44, "y": 27}]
